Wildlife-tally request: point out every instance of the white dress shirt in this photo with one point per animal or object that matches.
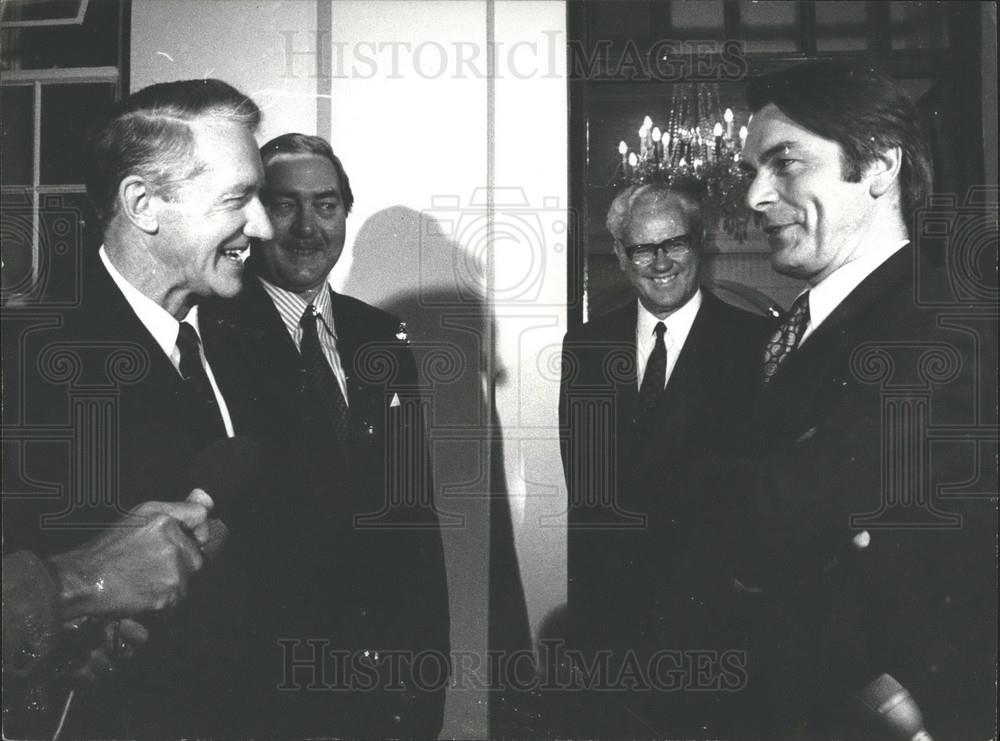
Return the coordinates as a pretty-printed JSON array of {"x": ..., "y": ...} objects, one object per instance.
[
  {"x": 164, "y": 328},
  {"x": 291, "y": 306},
  {"x": 678, "y": 326},
  {"x": 830, "y": 292}
]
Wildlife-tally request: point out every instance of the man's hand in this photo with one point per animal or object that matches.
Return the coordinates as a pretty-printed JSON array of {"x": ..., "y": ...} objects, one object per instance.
[
  {"x": 139, "y": 565},
  {"x": 121, "y": 638}
]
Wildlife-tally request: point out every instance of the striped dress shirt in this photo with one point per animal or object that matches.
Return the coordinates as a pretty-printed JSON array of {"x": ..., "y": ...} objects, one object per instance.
[{"x": 291, "y": 307}]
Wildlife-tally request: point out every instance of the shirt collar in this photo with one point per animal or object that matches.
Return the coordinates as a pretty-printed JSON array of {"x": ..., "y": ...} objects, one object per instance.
[
  {"x": 158, "y": 321},
  {"x": 678, "y": 323},
  {"x": 291, "y": 306},
  {"x": 830, "y": 292}
]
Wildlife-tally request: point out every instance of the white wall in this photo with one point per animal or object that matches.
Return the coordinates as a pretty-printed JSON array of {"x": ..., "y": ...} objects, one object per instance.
[
  {"x": 458, "y": 227},
  {"x": 244, "y": 42},
  {"x": 411, "y": 136},
  {"x": 530, "y": 286},
  {"x": 427, "y": 139}
]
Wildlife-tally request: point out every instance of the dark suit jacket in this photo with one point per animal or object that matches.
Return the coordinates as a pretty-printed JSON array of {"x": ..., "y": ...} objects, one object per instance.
[
  {"x": 883, "y": 414},
  {"x": 97, "y": 421},
  {"x": 641, "y": 575},
  {"x": 354, "y": 557}
]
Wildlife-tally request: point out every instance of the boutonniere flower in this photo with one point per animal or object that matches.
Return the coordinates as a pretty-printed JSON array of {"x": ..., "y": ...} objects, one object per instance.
[{"x": 402, "y": 334}]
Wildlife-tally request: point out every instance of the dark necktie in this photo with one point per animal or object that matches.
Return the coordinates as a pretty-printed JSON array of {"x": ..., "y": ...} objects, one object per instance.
[
  {"x": 786, "y": 337},
  {"x": 321, "y": 385},
  {"x": 655, "y": 377},
  {"x": 208, "y": 418}
]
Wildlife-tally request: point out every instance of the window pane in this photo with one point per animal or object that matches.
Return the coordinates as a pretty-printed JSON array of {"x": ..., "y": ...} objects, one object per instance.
[
  {"x": 67, "y": 111},
  {"x": 918, "y": 25},
  {"x": 92, "y": 44},
  {"x": 770, "y": 27},
  {"x": 841, "y": 26},
  {"x": 16, "y": 114},
  {"x": 41, "y": 10},
  {"x": 620, "y": 21},
  {"x": 700, "y": 20}
]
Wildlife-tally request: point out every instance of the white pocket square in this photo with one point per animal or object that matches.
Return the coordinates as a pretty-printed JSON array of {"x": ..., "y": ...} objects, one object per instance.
[{"x": 395, "y": 401}]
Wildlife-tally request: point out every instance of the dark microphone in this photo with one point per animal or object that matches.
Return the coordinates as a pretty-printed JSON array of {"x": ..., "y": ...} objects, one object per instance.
[
  {"x": 230, "y": 470},
  {"x": 886, "y": 706}
]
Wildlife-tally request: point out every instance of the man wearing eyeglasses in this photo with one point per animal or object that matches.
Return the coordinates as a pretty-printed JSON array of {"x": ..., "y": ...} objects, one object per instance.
[{"x": 645, "y": 388}]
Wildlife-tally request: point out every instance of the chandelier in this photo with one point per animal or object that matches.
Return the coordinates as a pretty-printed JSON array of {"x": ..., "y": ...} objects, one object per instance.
[{"x": 699, "y": 146}]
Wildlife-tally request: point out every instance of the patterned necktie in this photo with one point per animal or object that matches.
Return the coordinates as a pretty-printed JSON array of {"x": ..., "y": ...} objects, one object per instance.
[
  {"x": 786, "y": 337},
  {"x": 320, "y": 383},
  {"x": 655, "y": 377},
  {"x": 208, "y": 418}
]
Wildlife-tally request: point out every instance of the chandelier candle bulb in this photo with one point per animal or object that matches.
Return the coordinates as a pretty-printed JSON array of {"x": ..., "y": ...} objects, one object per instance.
[{"x": 700, "y": 143}]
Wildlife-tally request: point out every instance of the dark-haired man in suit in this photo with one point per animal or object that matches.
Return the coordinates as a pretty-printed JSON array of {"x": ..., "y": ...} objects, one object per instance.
[
  {"x": 875, "y": 494},
  {"x": 645, "y": 389},
  {"x": 335, "y": 391}
]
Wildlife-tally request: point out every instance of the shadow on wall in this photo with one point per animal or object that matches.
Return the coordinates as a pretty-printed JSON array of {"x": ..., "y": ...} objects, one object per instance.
[{"x": 407, "y": 263}]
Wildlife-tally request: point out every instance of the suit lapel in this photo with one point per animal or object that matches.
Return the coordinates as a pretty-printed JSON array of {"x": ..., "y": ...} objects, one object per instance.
[
  {"x": 687, "y": 381},
  {"x": 833, "y": 335},
  {"x": 627, "y": 390},
  {"x": 691, "y": 358},
  {"x": 798, "y": 388},
  {"x": 366, "y": 401},
  {"x": 686, "y": 384},
  {"x": 110, "y": 316},
  {"x": 236, "y": 331},
  {"x": 347, "y": 345}
]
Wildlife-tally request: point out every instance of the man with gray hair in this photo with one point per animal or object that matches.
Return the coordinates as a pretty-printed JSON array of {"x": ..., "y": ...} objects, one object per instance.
[
  {"x": 644, "y": 389},
  {"x": 174, "y": 174}
]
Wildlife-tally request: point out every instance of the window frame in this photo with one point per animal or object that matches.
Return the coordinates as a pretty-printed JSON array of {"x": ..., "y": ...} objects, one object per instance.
[{"x": 116, "y": 76}]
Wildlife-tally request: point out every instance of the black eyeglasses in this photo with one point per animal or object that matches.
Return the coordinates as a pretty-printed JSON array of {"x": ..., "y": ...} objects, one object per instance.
[{"x": 645, "y": 254}]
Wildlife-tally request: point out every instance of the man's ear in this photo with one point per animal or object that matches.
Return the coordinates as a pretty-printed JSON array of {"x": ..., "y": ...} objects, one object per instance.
[
  {"x": 884, "y": 171},
  {"x": 623, "y": 261},
  {"x": 137, "y": 204}
]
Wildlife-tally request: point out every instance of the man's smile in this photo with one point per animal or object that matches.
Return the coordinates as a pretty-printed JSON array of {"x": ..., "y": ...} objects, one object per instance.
[
  {"x": 662, "y": 280},
  {"x": 236, "y": 253}
]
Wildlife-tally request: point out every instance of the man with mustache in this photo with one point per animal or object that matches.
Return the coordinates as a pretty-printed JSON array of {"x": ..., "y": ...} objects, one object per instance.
[
  {"x": 174, "y": 174},
  {"x": 875, "y": 552},
  {"x": 645, "y": 389},
  {"x": 335, "y": 393}
]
